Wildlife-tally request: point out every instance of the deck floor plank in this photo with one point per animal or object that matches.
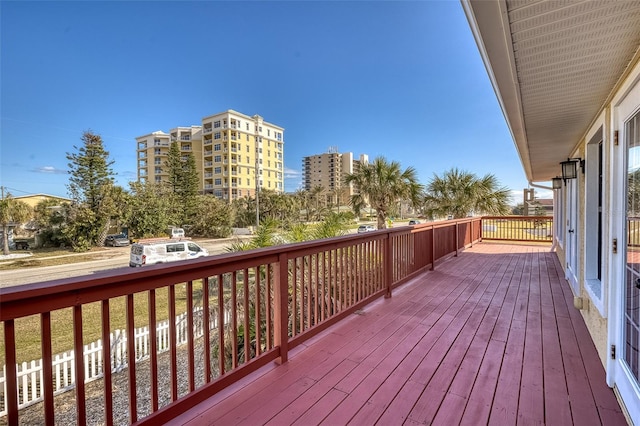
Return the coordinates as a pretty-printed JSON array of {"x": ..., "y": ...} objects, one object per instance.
[
  {"x": 490, "y": 337},
  {"x": 531, "y": 402}
]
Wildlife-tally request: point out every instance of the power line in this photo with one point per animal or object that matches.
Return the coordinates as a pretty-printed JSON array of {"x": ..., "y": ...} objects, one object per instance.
[{"x": 14, "y": 190}]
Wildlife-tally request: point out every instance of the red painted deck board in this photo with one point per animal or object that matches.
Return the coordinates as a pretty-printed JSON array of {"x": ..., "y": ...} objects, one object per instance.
[{"x": 490, "y": 337}]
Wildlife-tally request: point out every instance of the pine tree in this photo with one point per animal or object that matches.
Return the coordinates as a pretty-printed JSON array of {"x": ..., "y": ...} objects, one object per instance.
[
  {"x": 174, "y": 167},
  {"x": 89, "y": 170},
  {"x": 91, "y": 184},
  {"x": 183, "y": 182}
]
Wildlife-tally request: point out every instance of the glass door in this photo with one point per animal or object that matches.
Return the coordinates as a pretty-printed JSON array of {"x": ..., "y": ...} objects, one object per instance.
[
  {"x": 572, "y": 235},
  {"x": 631, "y": 290}
]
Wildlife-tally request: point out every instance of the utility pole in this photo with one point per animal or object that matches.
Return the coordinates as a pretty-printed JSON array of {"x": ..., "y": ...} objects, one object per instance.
[{"x": 529, "y": 198}]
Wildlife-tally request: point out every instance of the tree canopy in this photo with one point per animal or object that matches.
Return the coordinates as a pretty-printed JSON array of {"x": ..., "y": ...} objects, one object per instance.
[
  {"x": 89, "y": 170},
  {"x": 12, "y": 211},
  {"x": 151, "y": 210},
  {"x": 213, "y": 219},
  {"x": 382, "y": 184},
  {"x": 183, "y": 182},
  {"x": 458, "y": 193},
  {"x": 91, "y": 186}
]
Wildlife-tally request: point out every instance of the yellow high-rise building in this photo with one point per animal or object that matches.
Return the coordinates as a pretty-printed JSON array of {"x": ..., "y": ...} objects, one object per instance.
[{"x": 235, "y": 154}]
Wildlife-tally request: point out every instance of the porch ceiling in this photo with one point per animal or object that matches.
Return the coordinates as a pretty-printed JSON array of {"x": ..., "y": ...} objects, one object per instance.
[{"x": 553, "y": 66}]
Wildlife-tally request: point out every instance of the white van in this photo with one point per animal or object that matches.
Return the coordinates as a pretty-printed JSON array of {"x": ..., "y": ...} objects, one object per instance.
[
  {"x": 164, "y": 251},
  {"x": 175, "y": 232}
]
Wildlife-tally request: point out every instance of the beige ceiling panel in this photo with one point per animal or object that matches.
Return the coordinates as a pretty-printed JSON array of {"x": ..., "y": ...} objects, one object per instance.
[{"x": 567, "y": 57}]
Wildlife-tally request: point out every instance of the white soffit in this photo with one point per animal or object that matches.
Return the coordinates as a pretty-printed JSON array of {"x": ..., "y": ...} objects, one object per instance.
[{"x": 553, "y": 65}]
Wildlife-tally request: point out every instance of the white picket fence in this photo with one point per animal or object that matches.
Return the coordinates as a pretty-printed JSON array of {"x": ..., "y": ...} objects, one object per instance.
[{"x": 30, "y": 374}]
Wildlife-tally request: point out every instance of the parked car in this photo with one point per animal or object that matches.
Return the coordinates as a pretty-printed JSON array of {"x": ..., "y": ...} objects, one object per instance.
[
  {"x": 414, "y": 222},
  {"x": 22, "y": 244},
  {"x": 117, "y": 240},
  {"x": 365, "y": 228}
]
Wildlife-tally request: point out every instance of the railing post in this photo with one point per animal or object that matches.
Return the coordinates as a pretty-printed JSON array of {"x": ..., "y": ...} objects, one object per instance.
[
  {"x": 388, "y": 265},
  {"x": 47, "y": 369},
  {"x": 11, "y": 375},
  {"x": 106, "y": 359},
  {"x": 433, "y": 248},
  {"x": 457, "y": 240},
  {"x": 281, "y": 308},
  {"x": 78, "y": 346}
]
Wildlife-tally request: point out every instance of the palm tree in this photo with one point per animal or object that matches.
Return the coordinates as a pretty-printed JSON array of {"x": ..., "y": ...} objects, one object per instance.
[
  {"x": 12, "y": 211},
  {"x": 381, "y": 185},
  {"x": 332, "y": 225},
  {"x": 459, "y": 193}
]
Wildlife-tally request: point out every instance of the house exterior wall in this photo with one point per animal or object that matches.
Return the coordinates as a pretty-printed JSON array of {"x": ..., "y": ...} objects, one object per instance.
[
  {"x": 601, "y": 301},
  {"x": 592, "y": 304},
  {"x": 34, "y": 199}
]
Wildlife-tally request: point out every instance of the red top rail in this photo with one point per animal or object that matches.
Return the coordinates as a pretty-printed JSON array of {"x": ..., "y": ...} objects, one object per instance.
[{"x": 518, "y": 228}]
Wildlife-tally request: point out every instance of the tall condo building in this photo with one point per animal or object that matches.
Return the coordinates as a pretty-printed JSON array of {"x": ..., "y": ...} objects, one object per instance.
[
  {"x": 235, "y": 154},
  {"x": 328, "y": 170}
]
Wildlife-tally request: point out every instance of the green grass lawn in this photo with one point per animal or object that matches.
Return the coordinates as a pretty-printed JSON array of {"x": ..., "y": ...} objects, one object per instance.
[
  {"x": 51, "y": 257},
  {"x": 517, "y": 229}
]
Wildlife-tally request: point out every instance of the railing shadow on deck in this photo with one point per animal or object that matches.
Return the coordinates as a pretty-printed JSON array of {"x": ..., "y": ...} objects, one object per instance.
[{"x": 275, "y": 298}]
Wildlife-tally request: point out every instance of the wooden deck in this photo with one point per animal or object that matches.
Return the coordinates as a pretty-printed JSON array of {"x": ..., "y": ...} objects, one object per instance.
[{"x": 490, "y": 337}]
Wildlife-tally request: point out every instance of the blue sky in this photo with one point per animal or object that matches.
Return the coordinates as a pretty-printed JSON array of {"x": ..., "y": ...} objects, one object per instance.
[{"x": 399, "y": 79}]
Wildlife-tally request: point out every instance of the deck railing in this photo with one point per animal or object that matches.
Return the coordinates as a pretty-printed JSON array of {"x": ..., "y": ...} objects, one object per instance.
[
  {"x": 518, "y": 228},
  {"x": 633, "y": 231},
  {"x": 276, "y": 299}
]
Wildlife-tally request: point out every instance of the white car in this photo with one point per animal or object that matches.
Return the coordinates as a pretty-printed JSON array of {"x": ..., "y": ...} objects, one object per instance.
[{"x": 365, "y": 228}]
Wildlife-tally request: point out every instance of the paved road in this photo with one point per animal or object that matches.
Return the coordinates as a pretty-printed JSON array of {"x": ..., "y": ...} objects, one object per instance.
[{"x": 113, "y": 258}]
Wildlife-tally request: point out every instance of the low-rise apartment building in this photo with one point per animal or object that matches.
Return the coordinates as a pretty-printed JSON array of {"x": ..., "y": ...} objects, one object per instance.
[{"x": 235, "y": 154}]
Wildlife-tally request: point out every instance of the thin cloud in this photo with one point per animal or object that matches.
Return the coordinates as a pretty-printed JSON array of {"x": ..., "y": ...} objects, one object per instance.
[
  {"x": 291, "y": 173},
  {"x": 128, "y": 175},
  {"x": 50, "y": 170}
]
